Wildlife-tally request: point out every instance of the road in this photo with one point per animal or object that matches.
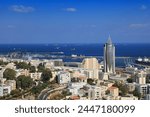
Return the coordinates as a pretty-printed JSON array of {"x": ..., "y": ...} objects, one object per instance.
[{"x": 46, "y": 92}]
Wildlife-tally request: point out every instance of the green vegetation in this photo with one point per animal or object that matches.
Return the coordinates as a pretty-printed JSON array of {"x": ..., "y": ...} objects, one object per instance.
[
  {"x": 22, "y": 65},
  {"x": 3, "y": 63},
  {"x": 37, "y": 89},
  {"x": 24, "y": 82},
  {"x": 15, "y": 92},
  {"x": 122, "y": 88},
  {"x": 90, "y": 81},
  {"x": 9, "y": 74},
  {"x": 32, "y": 69},
  {"x": 46, "y": 75},
  {"x": 137, "y": 94},
  {"x": 41, "y": 67},
  {"x": 148, "y": 78},
  {"x": 130, "y": 80}
]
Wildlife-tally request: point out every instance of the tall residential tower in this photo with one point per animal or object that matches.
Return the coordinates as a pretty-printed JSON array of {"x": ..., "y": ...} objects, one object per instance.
[{"x": 109, "y": 57}]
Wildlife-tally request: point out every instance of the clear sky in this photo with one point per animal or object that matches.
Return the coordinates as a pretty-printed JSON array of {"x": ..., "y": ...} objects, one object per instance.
[{"x": 74, "y": 21}]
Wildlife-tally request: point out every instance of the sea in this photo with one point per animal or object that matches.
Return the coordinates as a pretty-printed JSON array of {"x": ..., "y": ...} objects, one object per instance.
[{"x": 125, "y": 53}]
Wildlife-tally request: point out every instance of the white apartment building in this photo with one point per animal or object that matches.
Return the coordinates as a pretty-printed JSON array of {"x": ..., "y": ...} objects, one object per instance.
[
  {"x": 94, "y": 93},
  {"x": 74, "y": 88},
  {"x": 36, "y": 75},
  {"x": 143, "y": 89},
  {"x": 4, "y": 90},
  {"x": 64, "y": 77}
]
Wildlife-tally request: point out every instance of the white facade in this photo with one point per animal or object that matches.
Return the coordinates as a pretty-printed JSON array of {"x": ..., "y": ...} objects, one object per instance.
[
  {"x": 64, "y": 77},
  {"x": 147, "y": 97},
  {"x": 74, "y": 88},
  {"x": 143, "y": 89},
  {"x": 93, "y": 74},
  {"x": 24, "y": 72},
  {"x": 94, "y": 93},
  {"x": 36, "y": 75},
  {"x": 104, "y": 76},
  {"x": 5, "y": 90},
  {"x": 129, "y": 97}
]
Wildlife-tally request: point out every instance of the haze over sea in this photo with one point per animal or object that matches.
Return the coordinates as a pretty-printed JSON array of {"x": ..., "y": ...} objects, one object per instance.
[{"x": 122, "y": 50}]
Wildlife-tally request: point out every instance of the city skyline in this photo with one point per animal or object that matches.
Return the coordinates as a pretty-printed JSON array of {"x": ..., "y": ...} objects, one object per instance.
[{"x": 74, "y": 21}]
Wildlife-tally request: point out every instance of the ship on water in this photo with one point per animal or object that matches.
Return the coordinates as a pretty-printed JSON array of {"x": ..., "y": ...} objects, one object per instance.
[{"x": 143, "y": 61}]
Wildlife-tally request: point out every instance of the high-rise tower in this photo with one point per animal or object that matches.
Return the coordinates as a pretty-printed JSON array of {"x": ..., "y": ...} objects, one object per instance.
[{"x": 109, "y": 57}]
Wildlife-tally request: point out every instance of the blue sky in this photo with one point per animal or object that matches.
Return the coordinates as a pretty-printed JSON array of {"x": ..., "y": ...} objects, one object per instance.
[{"x": 74, "y": 21}]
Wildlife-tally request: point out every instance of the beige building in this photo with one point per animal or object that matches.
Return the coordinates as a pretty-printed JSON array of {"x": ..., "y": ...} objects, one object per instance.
[
  {"x": 129, "y": 97},
  {"x": 90, "y": 63},
  {"x": 91, "y": 66},
  {"x": 91, "y": 73},
  {"x": 114, "y": 91},
  {"x": 11, "y": 66},
  {"x": 11, "y": 83},
  {"x": 141, "y": 77}
]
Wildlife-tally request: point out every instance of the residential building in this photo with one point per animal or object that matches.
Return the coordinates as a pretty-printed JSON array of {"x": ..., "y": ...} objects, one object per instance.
[
  {"x": 36, "y": 75},
  {"x": 4, "y": 90},
  {"x": 64, "y": 77},
  {"x": 11, "y": 83},
  {"x": 94, "y": 93},
  {"x": 114, "y": 91},
  {"x": 141, "y": 77}
]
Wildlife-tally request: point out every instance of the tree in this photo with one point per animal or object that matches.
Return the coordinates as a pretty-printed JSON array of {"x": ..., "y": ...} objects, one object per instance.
[
  {"x": 3, "y": 63},
  {"x": 22, "y": 65},
  {"x": 148, "y": 78},
  {"x": 37, "y": 89},
  {"x": 136, "y": 93},
  {"x": 46, "y": 75},
  {"x": 24, "y": 82},
  {"x": 32, "y": 69},
  {"x": 122, "y": 88},
  {"x": 130, "y": 80},
  {"x": 15, "y": 92},
  {"x": 41, "y": 67},
  {"x": 90, "y": 81},
  {"x": 10, "y": 74}
]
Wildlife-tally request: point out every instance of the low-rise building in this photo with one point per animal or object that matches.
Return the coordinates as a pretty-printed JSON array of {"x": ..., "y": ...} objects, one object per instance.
[
  {"x": 24, "y": 72},
  {"x": 142, "y": 89},
  {"x": 36, "y": 75},
  {"x": 11, "y": 83},
  {"x": 64, "y": 77},
  {"x": 130, "y": 86},
  {"x": 11, "y": 66},
  {"x": 114, "y": 91},
  {"x": 74, "y": 88},
  {"x": 4, "y": 90},
  {"x": 129, "y": 97},
  {"x": 94, "y": 93},
  {"x": 147, "y": 97}
]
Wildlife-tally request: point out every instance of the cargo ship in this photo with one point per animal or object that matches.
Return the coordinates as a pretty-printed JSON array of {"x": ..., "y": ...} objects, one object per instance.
[{"x": 143, "y": 61}]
